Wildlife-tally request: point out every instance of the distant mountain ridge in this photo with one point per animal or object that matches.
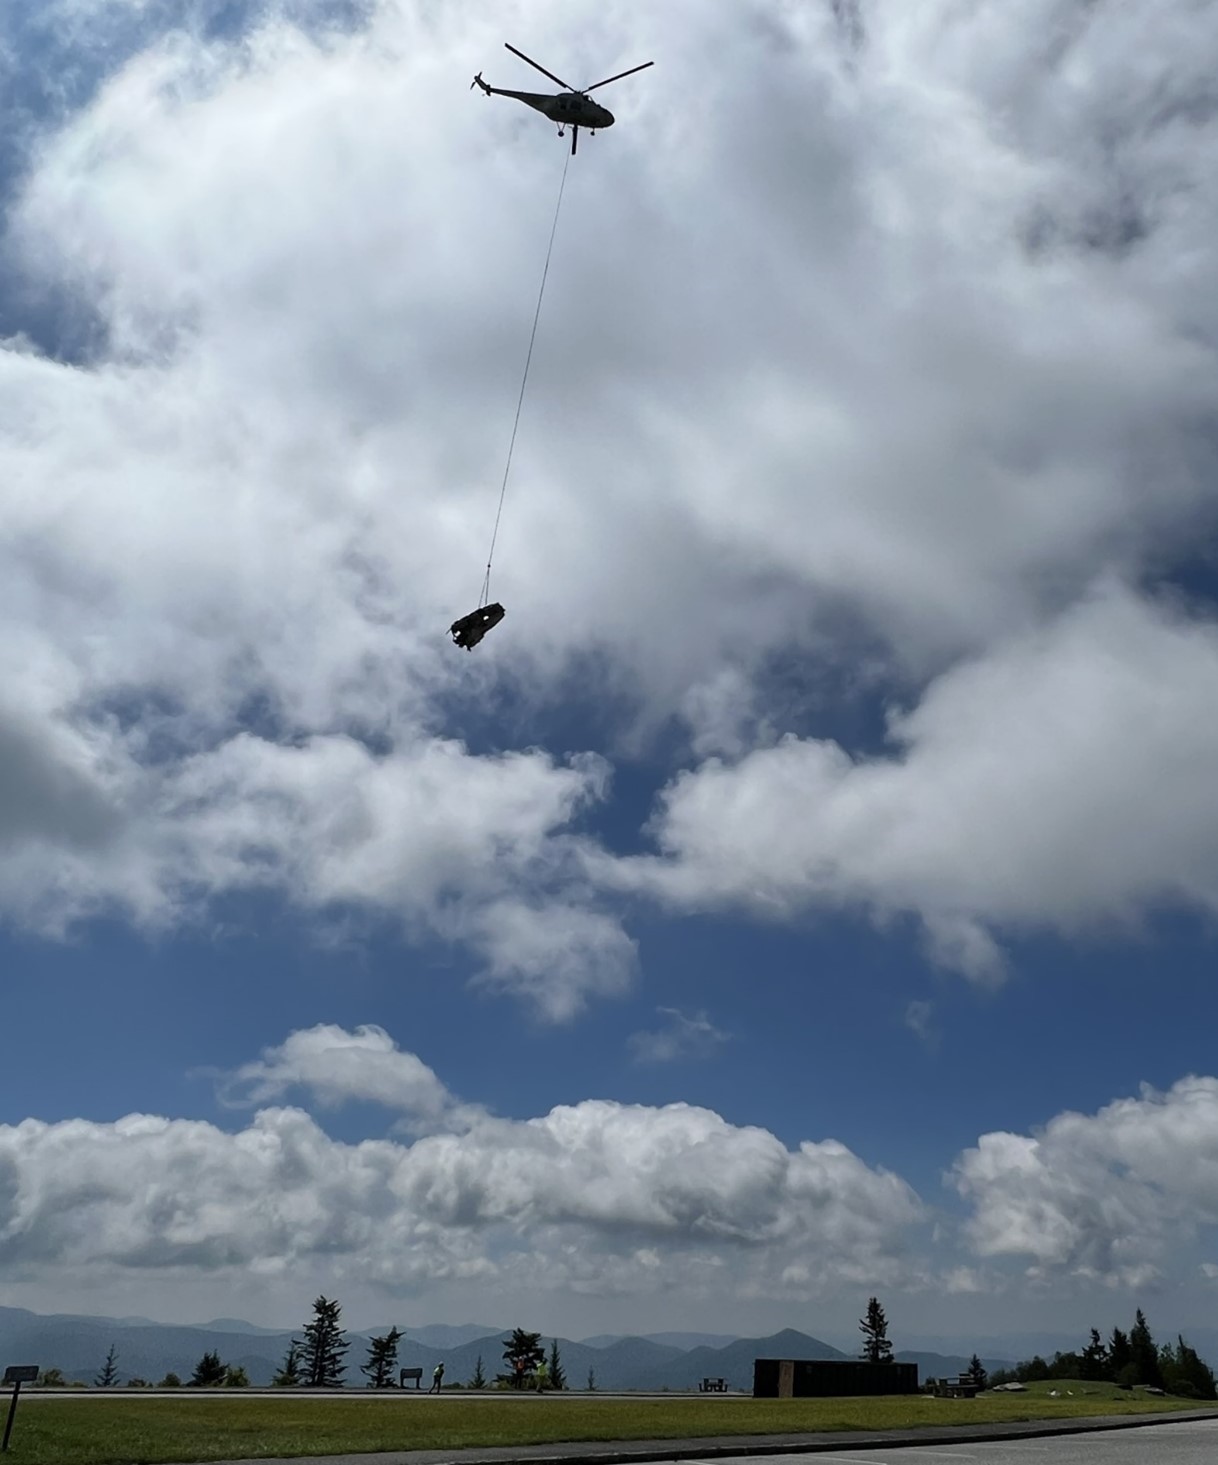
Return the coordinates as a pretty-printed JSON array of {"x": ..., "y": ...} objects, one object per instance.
[
  {"x": 668, "y": 1340},
  {"x": 77, "y": 1344},
  {"x": 442, "y": 1335},
  {"x": 228, "y": 1325}
]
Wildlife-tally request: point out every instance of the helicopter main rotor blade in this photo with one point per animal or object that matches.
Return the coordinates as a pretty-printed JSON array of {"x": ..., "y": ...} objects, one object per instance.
[
  {"x": 619, "y": 76},
  {"x": 535, "y": 67}
]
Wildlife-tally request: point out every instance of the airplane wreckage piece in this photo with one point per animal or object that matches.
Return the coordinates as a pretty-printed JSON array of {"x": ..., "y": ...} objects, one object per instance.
[{"x": 470, "y": 629}]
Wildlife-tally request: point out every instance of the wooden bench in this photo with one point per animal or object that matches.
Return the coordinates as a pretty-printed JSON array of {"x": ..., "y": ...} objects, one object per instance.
[
  {"x": 713, "y": 1386},
  {"x": 409, "y": 1373}
]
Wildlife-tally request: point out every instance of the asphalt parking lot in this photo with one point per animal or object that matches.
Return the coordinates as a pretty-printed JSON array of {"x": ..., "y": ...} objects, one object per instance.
[{"x": 1193, "y": 1442}]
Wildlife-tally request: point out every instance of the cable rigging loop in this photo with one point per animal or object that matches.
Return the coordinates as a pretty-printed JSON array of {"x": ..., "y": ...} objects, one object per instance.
[{"x": 485, "y": 596}]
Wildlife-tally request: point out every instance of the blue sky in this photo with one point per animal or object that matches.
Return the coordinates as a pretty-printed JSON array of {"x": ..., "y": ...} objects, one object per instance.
[{"x": 807, "y": 891}]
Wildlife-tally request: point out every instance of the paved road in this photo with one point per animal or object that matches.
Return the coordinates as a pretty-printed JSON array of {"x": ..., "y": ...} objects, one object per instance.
[
  {"x": 1193, "y": 1443},
  {"x": 1181, "y": 1442}
]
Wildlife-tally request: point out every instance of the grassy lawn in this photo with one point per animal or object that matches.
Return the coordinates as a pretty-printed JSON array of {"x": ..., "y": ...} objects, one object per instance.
[{"x": 92, "y": 1431}]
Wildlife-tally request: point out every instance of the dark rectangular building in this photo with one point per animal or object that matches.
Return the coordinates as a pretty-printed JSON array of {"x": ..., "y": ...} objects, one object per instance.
[{"x": 823, "y": 1378}]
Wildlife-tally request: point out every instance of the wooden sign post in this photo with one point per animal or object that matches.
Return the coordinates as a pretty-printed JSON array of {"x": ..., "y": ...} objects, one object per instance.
[{"x": 17, "y": 1374}]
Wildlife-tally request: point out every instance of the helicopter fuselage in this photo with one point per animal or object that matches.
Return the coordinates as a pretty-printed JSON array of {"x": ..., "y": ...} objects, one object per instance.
[{"x": 568, "y": 109}]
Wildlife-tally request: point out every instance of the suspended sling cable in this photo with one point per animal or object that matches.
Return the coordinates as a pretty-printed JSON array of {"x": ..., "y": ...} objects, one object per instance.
[
  {"x": 470, "y": 629},
  {"x": 524, "y": 381}
]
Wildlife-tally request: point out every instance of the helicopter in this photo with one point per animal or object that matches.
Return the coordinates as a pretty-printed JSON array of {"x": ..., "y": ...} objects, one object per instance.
[{"x": 570, "y": 108}]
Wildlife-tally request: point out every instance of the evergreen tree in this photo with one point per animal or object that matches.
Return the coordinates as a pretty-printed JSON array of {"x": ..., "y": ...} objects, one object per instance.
[
  {"x": 1119, "y": 1356},
  {"x": 522, "y": 1355},
  {"x": 1096, "y": 1361},
  {"x": 1185, "y": 1374},
  {"x": 235, "y": 1377},
  {"x": 1033, "y": 1371},
  {"x": 975, "y": 1373},
  {"x": 1144, "y": 1354},
  {"x": 209, "y": 1372},
  {"x": 321, "y": 1352},
  {"x": 288, "y": 1376},
  {"x": 592, "y": 1381},
  {"x": 382, "y": 1360},
  {"x": 109, "y": 1374},
  {"x": 874, "y": 1327},
  {"x": 1196, "y": 1371},
  {"x": 1066, "y": 1366},
  {"x": 558, "y": 1379},
  {"x": 479, "y": 1379},
  {"x": 170, "y": 1381}
]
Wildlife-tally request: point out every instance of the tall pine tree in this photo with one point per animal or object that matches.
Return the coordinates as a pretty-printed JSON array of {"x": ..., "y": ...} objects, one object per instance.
[
  {"x": 109, "y": 1374},
  {"x": 1096, "y": 1362},
  {"x": 1145, "y": 1356},
  {"x": 479, "y": 1379},
  {"x": 209, "y": 1372},
  {"x": 874, "y": 1327},
  {"x": 1119, "y": 1355},
  {"x": 321, "y": 1352},
  {"x": 558, "y": 1379},
  {"x": 382, "y": 1359},
  {"x": 288, "y": 1376},
  {"x": 522, "y": 1355}
]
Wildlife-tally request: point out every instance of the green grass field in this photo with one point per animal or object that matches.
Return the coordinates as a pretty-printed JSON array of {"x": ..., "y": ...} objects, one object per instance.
[{"x": 148, "y": 1431}]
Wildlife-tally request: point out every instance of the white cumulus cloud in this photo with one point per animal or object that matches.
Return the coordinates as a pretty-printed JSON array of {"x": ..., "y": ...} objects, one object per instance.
[
  {"x": 596, "y": 1195},
  {"x": 337, "y": 1066},
  {"x": 1107, "y": 1196},
  {"x": 1065, "y": 779}
]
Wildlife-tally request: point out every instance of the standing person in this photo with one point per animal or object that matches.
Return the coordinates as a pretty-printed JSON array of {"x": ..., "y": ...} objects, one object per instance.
[
  {"x": 543, "y": 1376},
  {"x": 437, "y": 1378}
]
